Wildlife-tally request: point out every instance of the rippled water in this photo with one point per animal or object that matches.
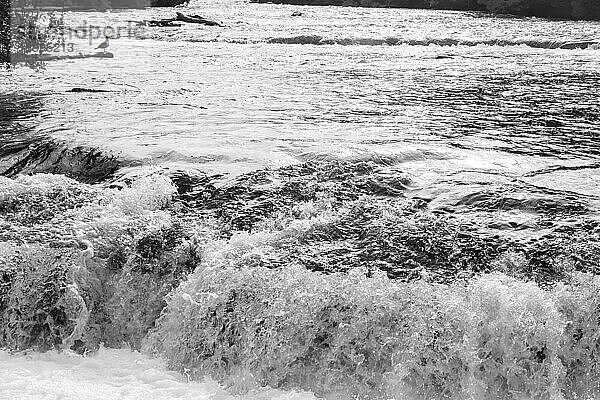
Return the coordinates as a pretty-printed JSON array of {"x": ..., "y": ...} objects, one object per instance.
[
  {"x": 229, "y": 100},
  {"x": 295, "y": 140}
]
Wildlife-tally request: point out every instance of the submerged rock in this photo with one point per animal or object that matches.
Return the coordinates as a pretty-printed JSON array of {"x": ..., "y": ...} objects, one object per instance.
[
  {"x": 87, "y": 90},
  {"x": 33, "y": 156}
]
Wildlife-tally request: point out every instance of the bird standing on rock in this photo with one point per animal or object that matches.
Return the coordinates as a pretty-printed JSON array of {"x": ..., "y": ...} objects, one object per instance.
[
  {"x": 103, "y": 45},
  {"x": 108, "y": 33}
]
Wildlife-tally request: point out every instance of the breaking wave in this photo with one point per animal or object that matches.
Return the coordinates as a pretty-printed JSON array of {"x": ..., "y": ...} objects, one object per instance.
[
  {"x": 321, "y": 277},
  {"x": 358, "y": 336},
  {"x": 395, "y": 41},
  {"x": 399, "y": 41}
]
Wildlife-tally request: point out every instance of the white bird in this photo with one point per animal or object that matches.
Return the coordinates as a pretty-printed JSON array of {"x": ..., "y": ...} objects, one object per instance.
[{"x": 103, "y": 45}]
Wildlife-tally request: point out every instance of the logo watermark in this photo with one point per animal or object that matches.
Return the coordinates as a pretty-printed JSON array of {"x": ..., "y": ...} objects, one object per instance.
[
  {"x": 55, "y": 35},
  {"x": 30, "y": 35},
  {"x": 93, "y": 33}
]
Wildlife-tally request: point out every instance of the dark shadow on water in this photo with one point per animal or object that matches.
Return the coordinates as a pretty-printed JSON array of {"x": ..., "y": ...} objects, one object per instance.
[{"x": 24, "y": 151}]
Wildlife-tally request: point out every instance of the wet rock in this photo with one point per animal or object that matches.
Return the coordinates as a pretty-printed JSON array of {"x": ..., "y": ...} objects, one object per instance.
[
  {"x": 168, "y": 3},
  {"x": 87, "y": 90},
  {"x": 195, "y": 19},
  {"x": 180, "y": 17}
]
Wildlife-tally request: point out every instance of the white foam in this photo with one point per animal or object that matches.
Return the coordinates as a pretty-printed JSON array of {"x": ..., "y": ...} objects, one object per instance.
[{"x": 110, "y": 374}]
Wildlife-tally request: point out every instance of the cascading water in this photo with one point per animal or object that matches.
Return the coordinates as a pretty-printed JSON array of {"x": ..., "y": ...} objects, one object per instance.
[{"x": 424, "y": 225}]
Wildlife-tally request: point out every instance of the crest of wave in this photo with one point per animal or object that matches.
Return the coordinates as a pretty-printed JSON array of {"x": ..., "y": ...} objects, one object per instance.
[
  {"x": 137, "y": 207},
  {"x": 51, "y": 287},
  {"x": 362, "y": 335},
  {"x": 66, "y": 205}
]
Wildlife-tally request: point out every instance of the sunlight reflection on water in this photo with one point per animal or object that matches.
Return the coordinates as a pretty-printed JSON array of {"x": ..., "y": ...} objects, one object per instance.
[{"x": 226, "y": 100}]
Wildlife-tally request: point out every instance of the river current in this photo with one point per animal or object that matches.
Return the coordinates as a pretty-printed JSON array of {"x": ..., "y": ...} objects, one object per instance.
[
  {"x": 416, "y": 142},
  {"x": 423, "y": 91}
]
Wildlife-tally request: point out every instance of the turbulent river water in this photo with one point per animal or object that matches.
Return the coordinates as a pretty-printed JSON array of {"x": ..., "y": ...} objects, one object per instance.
[
  {"x": 442, "y": 148},
  {"x": 259, "y": 93}
]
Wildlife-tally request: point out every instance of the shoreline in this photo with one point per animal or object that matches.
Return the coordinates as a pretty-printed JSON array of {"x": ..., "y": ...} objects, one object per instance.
[{"x": 573, "y": 15}]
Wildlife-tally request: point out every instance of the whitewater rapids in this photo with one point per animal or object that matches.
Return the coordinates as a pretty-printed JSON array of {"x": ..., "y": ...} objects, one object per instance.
[{"x": 110, "y": 374}]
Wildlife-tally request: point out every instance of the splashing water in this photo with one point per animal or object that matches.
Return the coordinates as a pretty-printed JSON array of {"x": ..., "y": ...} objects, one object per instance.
[
  {"x": 426, "y": 224},
  {"x": 110, "y": 373}
]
